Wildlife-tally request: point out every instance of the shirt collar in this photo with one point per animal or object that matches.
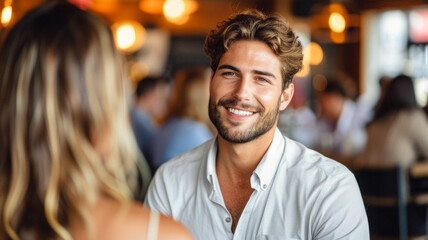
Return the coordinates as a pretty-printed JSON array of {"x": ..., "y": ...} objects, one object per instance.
[
  {"x": 269, "y": 163},
  {"x": 264, "y": 171},
  {"x": 211, "y": 158}
]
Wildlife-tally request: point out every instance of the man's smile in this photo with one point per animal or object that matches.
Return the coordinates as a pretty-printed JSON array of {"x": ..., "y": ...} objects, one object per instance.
[{"x": 239, "y": 112}]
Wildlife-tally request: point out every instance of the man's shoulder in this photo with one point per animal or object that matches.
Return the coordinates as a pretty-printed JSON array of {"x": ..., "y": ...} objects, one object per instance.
[
  {"x": 308, "y": 171},
  {"x": 304, "y": 161},
  {"x": 176, "y": 180}
]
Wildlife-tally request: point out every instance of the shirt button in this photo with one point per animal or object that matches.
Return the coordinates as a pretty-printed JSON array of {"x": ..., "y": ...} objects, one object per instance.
[
  {"x": 228, "y": 219},
  {"x": 264, "y": 186}
]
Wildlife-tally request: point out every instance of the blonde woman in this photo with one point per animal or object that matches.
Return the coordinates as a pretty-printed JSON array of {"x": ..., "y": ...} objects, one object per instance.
[{"x": 67, "y": 154}]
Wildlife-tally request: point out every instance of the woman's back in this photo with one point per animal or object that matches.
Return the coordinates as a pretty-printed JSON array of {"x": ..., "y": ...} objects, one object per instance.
[
  {"x": 398, "y": 134},
  {"x": 68, "y": 155},
  {"x": 397, "y": 139}
]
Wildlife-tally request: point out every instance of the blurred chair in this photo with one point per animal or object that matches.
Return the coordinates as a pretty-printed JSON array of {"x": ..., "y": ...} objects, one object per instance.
[
  {"x": 418, "y": 180},
  {"x": 384, "y": 196},
  {"x": 393, "y": 213}
]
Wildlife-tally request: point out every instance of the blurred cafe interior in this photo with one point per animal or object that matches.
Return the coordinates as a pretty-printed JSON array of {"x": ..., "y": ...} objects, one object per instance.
[
  {"x": 361, "y": 39},
  {"x": 360, "y": 42}
]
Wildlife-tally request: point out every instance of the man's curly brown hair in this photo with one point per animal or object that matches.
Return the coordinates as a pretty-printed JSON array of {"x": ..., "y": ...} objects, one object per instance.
[{"x": 273, "y": 30}]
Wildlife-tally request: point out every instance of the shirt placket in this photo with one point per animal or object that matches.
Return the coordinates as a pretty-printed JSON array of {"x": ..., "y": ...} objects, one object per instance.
[
  {"x": 217, "y": 198},
  {"x": 244, "y": 225}
]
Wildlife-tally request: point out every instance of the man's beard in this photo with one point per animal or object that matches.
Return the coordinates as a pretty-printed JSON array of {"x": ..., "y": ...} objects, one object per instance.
[{"x": 257, "y": 129}]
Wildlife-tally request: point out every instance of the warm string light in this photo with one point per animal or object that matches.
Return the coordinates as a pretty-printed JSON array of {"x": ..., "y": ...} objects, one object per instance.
[
  {"x": 337, "y": 22},
  {"x": 6, "y": 13},
  {"x": 175, "y": 11},
  {"x": 129, "y": 35},
  {"x": 312, "y": 55}
]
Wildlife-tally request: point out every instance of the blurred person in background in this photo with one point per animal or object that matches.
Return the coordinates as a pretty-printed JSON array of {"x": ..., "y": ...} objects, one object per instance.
[
  {"x": 150, "y": 104},
  {"x": 341, "y": 125},
  {"x": 384, "y": 81},
  {"x": 67, "y": 152},
  {"x": 298, "y": 121},
  {"x": 426, "y": 108},
  {"x": 186, "y": 123},
  {"x": 397, "y": 135}
]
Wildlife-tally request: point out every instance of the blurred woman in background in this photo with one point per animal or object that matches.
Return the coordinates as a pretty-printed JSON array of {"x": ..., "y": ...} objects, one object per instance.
[
  {"x": 186, "y": 123},
  {"x": 67, "y": 151},
  {"x": 398, "y": 134}
]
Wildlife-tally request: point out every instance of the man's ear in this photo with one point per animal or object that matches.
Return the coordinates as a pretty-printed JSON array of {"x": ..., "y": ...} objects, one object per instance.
[{"x": 286, "y": 96}]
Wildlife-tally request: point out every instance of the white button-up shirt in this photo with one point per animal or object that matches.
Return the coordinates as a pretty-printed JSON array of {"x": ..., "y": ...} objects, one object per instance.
[{"x": 298, "y": 194}]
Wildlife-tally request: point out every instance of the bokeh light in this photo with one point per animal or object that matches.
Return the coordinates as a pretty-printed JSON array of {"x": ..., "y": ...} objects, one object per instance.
[
  {"x": 125, "y": 36},
  {"x": 337, "y": 22},
  {"x": 173, "y": 8},
  {"x": 315, "y": 53},
  {"x": 129, "y": 35},
  {"x": 6, "y": 15},
  {"x": 178, "y": 11},
  {"x": 319, "y": 82}
]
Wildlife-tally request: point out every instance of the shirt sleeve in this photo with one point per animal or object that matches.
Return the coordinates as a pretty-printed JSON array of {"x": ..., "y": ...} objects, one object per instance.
[
  {"x": 157, "y": 197},
  {"x": 341, "y": 212}
]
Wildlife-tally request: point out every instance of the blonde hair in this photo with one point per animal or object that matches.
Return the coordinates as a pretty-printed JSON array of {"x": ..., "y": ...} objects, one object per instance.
[
  {"x": 190, "y": 95},
  {"x": 65, "y": 135}
]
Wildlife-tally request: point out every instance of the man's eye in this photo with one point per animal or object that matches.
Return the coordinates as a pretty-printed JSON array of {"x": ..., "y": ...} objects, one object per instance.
[
  {"x": 229, "y": 74},
  {"x": 262, "y": 79}
]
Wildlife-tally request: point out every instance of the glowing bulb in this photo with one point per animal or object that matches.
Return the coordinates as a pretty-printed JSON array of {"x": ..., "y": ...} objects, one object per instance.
[
  {"x": 125, "y": 36},
  {"x": 6, "y": 15},
  {"x": 173, "y": 8},
  {"x": 337, "y": 22},
  {"x": 129, "y": 35},
  {"x": 315, "y": 53}
]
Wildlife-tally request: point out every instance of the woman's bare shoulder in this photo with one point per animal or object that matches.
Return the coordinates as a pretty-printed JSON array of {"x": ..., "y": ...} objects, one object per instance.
[
  {"x": 131, "y": 222},
  {"x": 170, "y": 229}
]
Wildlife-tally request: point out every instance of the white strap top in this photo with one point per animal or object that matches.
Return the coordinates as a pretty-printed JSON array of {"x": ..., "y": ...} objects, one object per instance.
[{"x": 153, "y": 226}]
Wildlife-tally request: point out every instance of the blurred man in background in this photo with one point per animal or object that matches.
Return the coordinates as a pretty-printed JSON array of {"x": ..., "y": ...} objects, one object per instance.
[
  {"x": 150, "y": 104},
  {"x": 341, "y": 126}
]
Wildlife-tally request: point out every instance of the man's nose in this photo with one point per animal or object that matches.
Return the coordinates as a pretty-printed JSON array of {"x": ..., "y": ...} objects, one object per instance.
[{"x": 242, "y": 88}]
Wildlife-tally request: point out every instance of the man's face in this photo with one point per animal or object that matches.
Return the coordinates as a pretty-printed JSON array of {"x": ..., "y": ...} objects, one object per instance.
[{"x": 246, "y": 92}]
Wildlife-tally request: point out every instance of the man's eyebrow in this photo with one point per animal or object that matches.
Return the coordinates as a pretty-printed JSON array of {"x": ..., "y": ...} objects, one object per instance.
[
  {"x": 264, "y": 73},
  {"x": 227, "y": 66}
]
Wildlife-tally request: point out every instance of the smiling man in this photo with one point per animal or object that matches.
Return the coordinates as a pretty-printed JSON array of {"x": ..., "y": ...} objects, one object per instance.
[{"x": 251, "y": 182}]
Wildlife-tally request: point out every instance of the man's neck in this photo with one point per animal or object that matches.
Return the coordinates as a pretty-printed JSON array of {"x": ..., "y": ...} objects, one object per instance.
[
  {"x": 235, "y": 165},
  {"x": 237, "y": 161}
]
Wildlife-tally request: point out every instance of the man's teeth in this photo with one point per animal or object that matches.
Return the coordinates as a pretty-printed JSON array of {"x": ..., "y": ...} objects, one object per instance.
[{"x": 239, "y": 112}]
